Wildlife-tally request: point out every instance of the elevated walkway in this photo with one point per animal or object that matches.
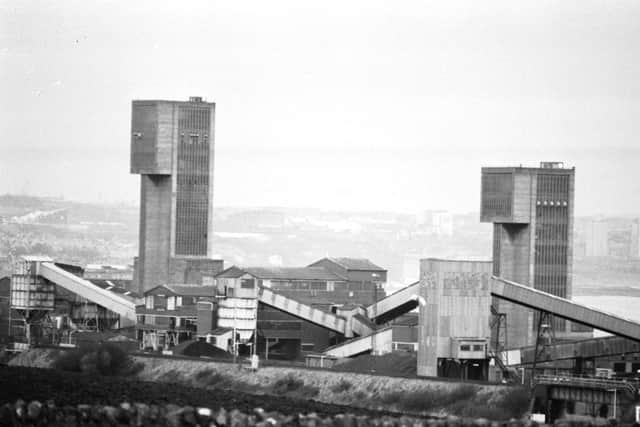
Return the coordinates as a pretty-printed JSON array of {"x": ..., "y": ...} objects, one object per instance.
[
  {"x": 363, "y": 344},
  {"x": 119, "y": 304},
  {"x": 591, "y": 348},
  {"x": 563, "y": 308},
  {"x": 394, "y": 305},
  {"x": 362, "y": 326},
  {"x": 303, "y": 311},
  {"x": 587, "y": 382}
]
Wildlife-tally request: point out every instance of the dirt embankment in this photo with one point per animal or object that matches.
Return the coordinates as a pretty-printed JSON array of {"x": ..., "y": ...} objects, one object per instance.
[{"x": 332, "y": 387}]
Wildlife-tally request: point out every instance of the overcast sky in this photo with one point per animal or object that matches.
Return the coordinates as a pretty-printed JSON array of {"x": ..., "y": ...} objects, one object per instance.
[{"x": 391, "y": 105}]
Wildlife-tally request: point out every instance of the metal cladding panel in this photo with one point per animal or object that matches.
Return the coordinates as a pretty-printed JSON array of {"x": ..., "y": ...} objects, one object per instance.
[
  {"x": 457, "y": 296},
  {"x": 553, "y": 231},
  {"x": 31, "y": 292},
  {"x": 193, "y": 181},
  {"x": 496, "y": 204},
  {"x": 565, "y": 309},
  {"x": 151, "y": 138}
]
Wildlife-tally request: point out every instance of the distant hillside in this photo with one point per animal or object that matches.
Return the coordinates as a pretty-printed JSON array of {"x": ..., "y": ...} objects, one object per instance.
[{"x": 78, "y": 212}]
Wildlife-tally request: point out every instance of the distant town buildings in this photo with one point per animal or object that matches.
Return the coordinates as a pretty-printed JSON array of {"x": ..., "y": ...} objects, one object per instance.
[
  {"x": 52, "y": 217},
  {"x": 634, "y": 245},
  {"x": 597, "y": 238},
  {"x": 172, "y": 149},
  {"x": 439, "y": 223}
]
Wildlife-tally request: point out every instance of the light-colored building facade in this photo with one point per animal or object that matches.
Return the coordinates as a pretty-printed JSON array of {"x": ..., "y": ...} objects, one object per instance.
[
  {"x": 454, "y": 320},
  {"x": 596, "y": 237}
]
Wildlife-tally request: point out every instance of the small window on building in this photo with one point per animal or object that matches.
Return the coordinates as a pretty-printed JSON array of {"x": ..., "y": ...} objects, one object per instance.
[
  {"x": 247, "y": 283},
  {"x": 159, "y": 301},
  {"x": 465, "y": 347},
  {"x": 171, "y": 303},
  {"x": 478, "y": 347},
  {"x": 229, "y": 291},
  {"x": 330, "y": 286},
  {"x": 178, "y": 301},
  {"x": 619, "y": 367},
  {"x": 150, "y": 302},
  {"x": 318, "y": 286}
]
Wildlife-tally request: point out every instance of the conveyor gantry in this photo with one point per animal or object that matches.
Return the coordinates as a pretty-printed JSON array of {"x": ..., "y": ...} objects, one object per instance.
[
  {"x": 563, "y": 308},
  {"x": 125, "y": 307}
]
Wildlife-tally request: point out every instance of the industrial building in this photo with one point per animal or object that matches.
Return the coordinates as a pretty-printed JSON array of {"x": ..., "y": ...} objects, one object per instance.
[
  {"x": 172, "y": 149},
  {"x": 455, "y": 319},
  {"x": 172, "y": 314},
  {"x": 51, "y": 303},
  {"x": 471, "y": 313},
  {"x": 326, "y": 285},
  {"x": 532, "y": 213}
]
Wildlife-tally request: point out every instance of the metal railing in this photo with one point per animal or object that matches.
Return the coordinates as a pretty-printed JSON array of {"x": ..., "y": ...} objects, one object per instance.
[{"x": 587, "y": 382}]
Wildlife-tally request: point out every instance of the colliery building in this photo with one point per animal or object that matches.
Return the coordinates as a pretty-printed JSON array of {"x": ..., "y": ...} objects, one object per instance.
[
  {"x": 532, "y": 214},
  {"x": 174, "y": 313},
  {"x": 327, "y": 285},
  {"x": 172, "y": 149},
  {"x": 170, "y": 314}
]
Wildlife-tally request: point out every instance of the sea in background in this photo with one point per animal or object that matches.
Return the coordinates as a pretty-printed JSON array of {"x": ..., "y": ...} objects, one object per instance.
[{"x": 623, "y": 306}]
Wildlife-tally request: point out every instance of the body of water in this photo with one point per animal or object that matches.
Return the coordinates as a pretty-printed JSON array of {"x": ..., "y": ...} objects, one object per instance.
[{"x": 627, "y": 307}]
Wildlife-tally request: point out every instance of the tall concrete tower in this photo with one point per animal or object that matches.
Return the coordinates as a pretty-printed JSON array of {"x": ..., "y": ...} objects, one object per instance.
[
  {"x": 532, "y": 213},
  {"x": 172, "y": 148}
]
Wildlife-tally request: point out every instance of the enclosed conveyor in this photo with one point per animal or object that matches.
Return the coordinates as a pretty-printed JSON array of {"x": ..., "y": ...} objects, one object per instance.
[{"x": 119, "y": 304}]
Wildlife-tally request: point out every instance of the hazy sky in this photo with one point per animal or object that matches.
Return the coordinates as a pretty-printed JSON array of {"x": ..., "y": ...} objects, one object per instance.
[{"x": 391, "y": 105}]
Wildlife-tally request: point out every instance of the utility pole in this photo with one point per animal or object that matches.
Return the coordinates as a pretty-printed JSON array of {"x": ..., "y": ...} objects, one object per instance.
[
  {"x": 374, "y": 313},
  {"x": 615, "y": 401},
  {"x": 235, "y": 334}
]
